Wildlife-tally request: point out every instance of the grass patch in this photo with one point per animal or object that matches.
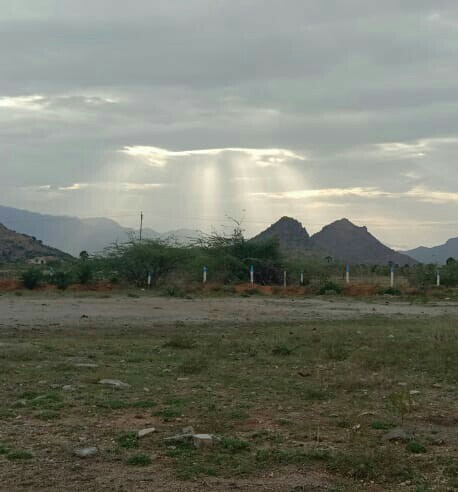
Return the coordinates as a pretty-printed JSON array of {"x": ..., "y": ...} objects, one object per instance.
[
  {"x": 180, "y": 342},
  {"x": 139, "y": 460},
  {"x": 19, "y": 456},
  {"x": 235, "y": 445},
  {"x": 415, "y": 447},
  {"x": 377, "y": 425},
  {"x": 128, "y": 440}
]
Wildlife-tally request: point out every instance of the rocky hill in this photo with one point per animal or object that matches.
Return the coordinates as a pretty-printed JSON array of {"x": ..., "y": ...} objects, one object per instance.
[
  {"x": 15, "y": 247},
  {"x": 342, "y": 240},
  {"x": 290, "y": 233},
  {"x": 347, "y": 242}
]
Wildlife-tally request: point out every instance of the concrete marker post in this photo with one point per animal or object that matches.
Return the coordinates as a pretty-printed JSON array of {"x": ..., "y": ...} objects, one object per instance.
[
  {"x": 149, "y": 280},
  {"x": 347, "y": 274},
  {"x": 251, "y": 274},
  {"x": 284, "y": 279},
  {"x": 438, "y": 278},
  {"x": 392, "y": 277},
  {"x": 204, "y": 279},
  {"x": 302, "y": 278}
]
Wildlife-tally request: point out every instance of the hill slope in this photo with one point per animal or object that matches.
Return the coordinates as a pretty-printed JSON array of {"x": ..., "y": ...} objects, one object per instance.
[
  {"x": 347, "y": 242},
  {"x": 290, "y": 233},
  {"x": 437, "y": 254},
  {"x": 20, "y": 247}
]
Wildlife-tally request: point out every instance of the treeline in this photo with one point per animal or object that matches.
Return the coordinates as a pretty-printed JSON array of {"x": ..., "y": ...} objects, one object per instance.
[{"x": 228, "y": 260}]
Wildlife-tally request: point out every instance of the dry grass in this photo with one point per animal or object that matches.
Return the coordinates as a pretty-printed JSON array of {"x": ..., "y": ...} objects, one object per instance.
[{"x": 313, "y": 398}]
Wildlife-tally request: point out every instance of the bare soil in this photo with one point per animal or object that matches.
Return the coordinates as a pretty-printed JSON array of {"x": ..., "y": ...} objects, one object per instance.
[{"x": 41, "y": 310}]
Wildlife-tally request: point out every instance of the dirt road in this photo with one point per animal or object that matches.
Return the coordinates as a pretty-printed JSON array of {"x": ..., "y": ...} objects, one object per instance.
[{"x": 41, "y": 310}]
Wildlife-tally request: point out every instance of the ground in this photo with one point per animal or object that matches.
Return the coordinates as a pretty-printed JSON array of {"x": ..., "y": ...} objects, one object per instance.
[{"x": 297, "y": 392}]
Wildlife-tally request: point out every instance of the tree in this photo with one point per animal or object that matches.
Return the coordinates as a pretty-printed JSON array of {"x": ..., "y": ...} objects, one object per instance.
[{"x": 84, "y": 255}]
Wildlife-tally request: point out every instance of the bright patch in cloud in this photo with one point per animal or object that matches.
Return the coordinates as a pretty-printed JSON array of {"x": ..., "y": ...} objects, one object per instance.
[
  {"x": 418, "y": 193},
  {"x": 124, "y": 186},
  {"x": 325, "y": 193},
  {"x": 427, "y": 195},
  {"x": 29, "y": 103},
  {"x": 158, "y": 157}
]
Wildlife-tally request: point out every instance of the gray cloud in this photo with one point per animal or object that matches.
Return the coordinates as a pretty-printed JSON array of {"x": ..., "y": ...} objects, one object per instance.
[{"x": 365, "y": 90}]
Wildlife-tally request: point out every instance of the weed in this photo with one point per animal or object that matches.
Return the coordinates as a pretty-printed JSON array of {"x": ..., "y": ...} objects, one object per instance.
[
  {"x": 139, "y": 460},
  {"x": 144, "y": 404},
  {"x": 19, "y": 455},
  {"x": 415, "y": 447},
  {"x": 281, "y": 350},
  {"x": 180, "y": 342},
  {"x": 193, "y": 365},
  {"x": 380, "y": 425},
  {"x": 128, "y": 440},
  {"x": 235, "y": 445},
  {"x": 47, "y": 415},
  {"x": 113, "y": 404}
]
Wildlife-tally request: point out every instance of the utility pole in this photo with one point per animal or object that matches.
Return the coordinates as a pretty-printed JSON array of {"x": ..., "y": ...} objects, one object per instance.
[{"x": 141, "y": 225}]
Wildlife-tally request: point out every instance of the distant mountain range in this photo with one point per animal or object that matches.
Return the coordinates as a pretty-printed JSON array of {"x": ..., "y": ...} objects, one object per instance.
[
  {"x": 20, "y": 247},
  {"x": 341, "y": 240},
  {"x": 73, "y": 235},
  {"x": 437, "y": 254}
]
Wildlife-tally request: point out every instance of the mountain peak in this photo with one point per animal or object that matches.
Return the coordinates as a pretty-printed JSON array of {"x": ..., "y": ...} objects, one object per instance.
[
  {"x": 354, "y": 244},
  {"x": 289, "y": 232},
  {"x": 346, "y": 224}
]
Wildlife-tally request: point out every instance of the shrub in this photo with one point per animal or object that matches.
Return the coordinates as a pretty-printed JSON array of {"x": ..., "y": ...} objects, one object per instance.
[
  {"x": 330, "y": 287},
  {"x": 31, "y": 278},
  {"x": 391, "y": 291},
  {"x": 84, "y": 272},
  {"x": 62, "y": 279}
]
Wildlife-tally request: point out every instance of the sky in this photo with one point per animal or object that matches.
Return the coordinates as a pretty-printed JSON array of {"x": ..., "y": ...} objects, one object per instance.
[{"x": 199, "y": 111}]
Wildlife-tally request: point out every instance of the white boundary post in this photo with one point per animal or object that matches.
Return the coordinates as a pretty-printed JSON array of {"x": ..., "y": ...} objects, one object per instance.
[
  {"x": 149, "y": 279},
  {"x": 347, "y": 274},
  {"x": 205, "y": 270},
  {"x": 284, "y": 279},
  {"x": 302, "y": 278},
  {"x": 392, "y": 277},
  {"x": 251, "y": 274},
  {"x": 438, "y": 278}
]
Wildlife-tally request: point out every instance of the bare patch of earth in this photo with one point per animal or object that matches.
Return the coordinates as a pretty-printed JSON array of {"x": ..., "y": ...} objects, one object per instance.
[{"x": 44, "y": 311}]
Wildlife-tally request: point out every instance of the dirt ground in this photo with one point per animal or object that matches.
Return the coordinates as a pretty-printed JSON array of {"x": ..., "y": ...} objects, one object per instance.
[
  {"x": 310, "y": 384},
  {"x": 42, "y": 310}
]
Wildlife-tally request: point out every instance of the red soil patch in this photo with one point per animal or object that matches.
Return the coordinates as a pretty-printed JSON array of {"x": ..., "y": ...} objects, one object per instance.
[
  {"x": 361, "y": 290},
  {"x": 10, "y": 285},
  {"x": 96, "y": 287}
]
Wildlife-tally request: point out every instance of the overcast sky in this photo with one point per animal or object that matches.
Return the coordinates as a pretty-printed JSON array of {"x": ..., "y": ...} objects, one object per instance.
[{"x": 192, "y": 110}]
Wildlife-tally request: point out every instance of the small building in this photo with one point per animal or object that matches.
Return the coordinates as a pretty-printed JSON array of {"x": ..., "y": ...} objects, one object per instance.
[{"x": 41, "y": 260}]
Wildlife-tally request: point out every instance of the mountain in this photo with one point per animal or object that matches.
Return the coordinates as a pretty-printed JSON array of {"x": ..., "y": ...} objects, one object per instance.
[
  {"x": 437, "y": 254},
  {"x": 73, "y": 235},
  {"x": 290, "y": 233},
  {"x": 350, "y": 243},
  {"x": 20, "y": 247},
  {"x": 68, "y": 234}
]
